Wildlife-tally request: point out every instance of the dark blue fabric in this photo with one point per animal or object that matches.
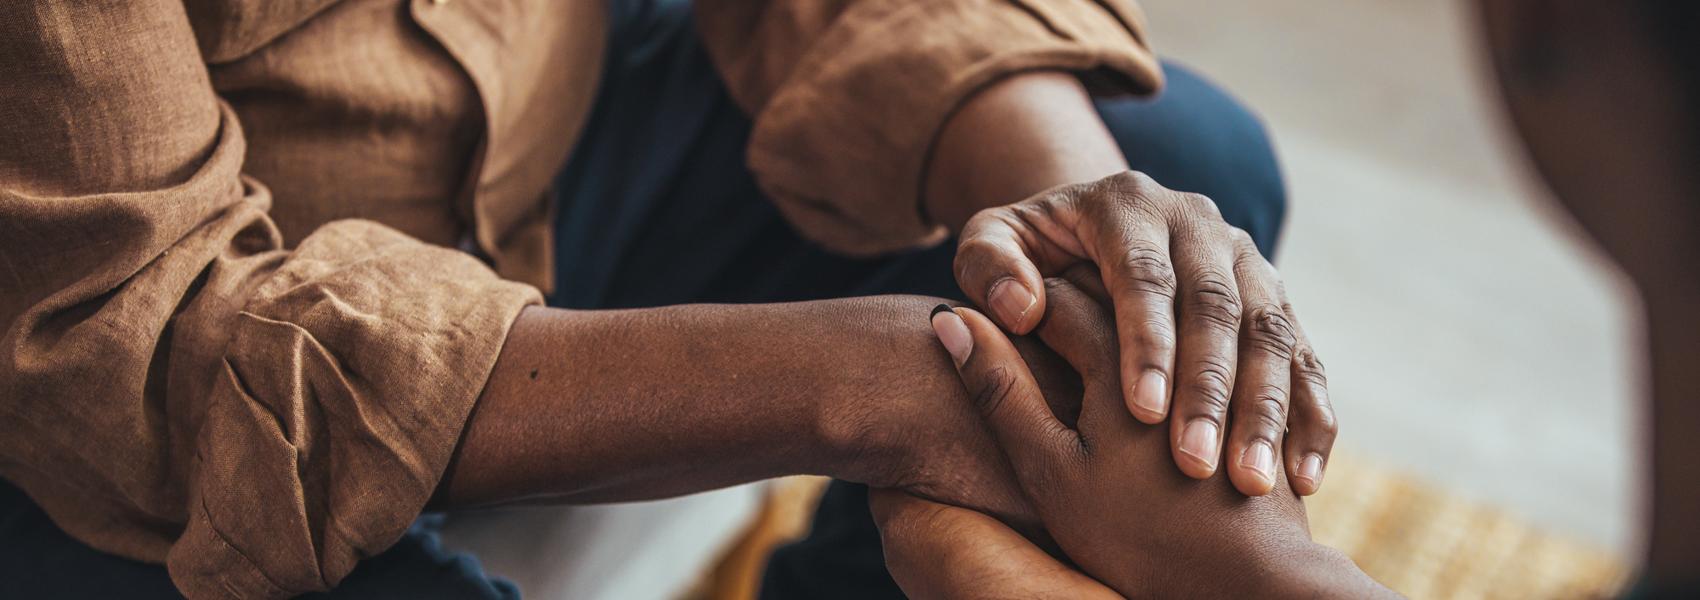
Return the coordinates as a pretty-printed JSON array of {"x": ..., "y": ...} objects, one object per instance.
[
  {"x": 656, "y": 208},
  {"x": 40, "y": 561},
  {"x": 37, "y": 560}
]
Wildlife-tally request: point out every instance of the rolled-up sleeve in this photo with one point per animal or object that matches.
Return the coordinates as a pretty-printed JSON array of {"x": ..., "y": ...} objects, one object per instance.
[
  {"x": 848, "y": 97},
  {"x": 175, "y": 385}
]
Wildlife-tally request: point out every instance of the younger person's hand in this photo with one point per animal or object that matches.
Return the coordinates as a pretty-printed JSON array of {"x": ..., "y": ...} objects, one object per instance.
[{"x": 1105, "y": 488}]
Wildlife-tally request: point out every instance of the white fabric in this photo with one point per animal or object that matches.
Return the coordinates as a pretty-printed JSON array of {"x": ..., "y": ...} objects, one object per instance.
[{"x": 617, "y": 551}]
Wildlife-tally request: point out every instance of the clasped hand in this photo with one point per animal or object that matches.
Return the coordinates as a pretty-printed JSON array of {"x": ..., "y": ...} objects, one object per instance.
[
  {"x": 1198, "y": 315},
  {"x": 1106, "y": 274}
]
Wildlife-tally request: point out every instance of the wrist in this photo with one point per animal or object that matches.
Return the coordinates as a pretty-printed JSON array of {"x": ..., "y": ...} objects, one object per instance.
[
  {"x": 665, "y": 401},
  {"x": 1017, "y": 137},
  {"x": 869, "y": 415}
]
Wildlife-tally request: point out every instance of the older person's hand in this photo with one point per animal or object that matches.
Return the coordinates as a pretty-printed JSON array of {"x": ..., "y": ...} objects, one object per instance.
[
  {"x": 1030, "y": 179},
  {"x": 1195, "y": 306}
]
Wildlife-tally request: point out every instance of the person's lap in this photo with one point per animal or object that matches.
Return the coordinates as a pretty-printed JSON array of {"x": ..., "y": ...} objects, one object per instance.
[
  {"x": 38, "y": 560},
  {"x": 657, "y": 208}
]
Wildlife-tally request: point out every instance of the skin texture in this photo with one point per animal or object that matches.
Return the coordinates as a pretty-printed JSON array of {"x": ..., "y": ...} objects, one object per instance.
[
  {"x": 1210, "y": 338},
  {"x": 675, "y": 400},
  {"x": 1140, "y": 529},
  {"x": 1608, "y": 119}
]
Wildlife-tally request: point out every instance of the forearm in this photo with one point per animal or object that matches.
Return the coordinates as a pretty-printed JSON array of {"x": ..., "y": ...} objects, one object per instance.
[
  {"x": 598, "y": 406},
  {"x": 1017, "y": 137}
]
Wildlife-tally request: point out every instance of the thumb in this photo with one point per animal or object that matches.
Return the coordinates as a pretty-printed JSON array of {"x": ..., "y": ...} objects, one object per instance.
[
  {"x": 1003, "y": 389},
  {"x": 995, "y": 269}
]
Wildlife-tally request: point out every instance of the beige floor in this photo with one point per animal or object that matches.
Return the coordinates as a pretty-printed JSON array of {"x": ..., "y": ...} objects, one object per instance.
[{"x": 1469, "y": 338}]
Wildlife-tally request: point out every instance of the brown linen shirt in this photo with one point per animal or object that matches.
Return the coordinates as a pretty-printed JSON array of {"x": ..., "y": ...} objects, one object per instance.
[{"x": 236, "y": 338}]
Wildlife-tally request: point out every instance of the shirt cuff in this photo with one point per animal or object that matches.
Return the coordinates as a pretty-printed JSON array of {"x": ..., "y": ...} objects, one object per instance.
[
  {"x": 842, "y": 145},
  {"x": 334, "y": 408}
]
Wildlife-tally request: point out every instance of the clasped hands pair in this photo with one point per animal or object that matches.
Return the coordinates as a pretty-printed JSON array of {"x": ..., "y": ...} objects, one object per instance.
[{"x": 1137, "y": 294}]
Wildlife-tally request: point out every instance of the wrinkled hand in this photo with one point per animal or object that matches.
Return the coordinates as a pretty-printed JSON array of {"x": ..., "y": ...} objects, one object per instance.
[
  {"x": 1102, "y": 487},
  {"x": 940, "y": 551},
  {"x": 1200, "y": 315}
]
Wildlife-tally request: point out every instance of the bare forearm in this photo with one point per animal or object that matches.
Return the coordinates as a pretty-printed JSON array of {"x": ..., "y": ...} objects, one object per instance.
[
  {"x": 1022, "y": 135},
  {"x": 596, "y": 406}
]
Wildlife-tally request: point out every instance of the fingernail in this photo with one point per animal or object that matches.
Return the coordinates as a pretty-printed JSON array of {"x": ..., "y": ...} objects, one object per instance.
[
  {"x": 1199, "y": 441},
  {"x": 1260, "y": 457},
  {"x": 953, "y": 333},
  {"x": 1310, "y": 469},
  {"x": 1151, "y": 395},
  {"x": 1011, "y": 300}
]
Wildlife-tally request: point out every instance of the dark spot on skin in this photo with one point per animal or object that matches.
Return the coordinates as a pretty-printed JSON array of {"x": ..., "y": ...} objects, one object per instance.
[{"x": 534, "y": 374}]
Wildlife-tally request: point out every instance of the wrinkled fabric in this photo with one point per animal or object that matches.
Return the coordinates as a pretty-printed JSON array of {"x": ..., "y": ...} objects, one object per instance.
[
  {"x": 848, "y": 97},
  {"x": 257, "y": 258}
]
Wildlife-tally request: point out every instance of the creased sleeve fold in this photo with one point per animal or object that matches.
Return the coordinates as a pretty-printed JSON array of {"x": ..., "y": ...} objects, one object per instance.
[
  {"x": 848, "y": 97},
  {"x": 177, "y": 386}
]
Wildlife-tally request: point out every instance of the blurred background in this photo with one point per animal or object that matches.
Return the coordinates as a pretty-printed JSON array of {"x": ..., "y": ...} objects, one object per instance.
[
  {"x": 1481, "y": 356},
  {"x": 1472, "y": 337}
]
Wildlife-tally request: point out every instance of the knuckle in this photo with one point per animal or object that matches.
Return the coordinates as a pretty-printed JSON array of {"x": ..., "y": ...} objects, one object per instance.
[
  {"x": 978, "y": 256},
  {"x": 978, "y": 222},
  {"x": 1148, "y": 270},
  {"x": 1267, "y": 407},
  {"x": 1131, "y": 180},
  {"x": 975, "y": 245},
  {"x": 1212, "y": 384},
  {"x": 1129, "y": 190},
  {"x": 1157, "y": 337},
  {"x": 1326, "y": 424},
  {"x": 1200, "y": 205},
  {"x": 1045, "y": 210},
  {"x": 1309, "y": 368},
  {"x": 1240, "y": 240},
  {"x": 1267, "y": 328},
  {"x": 1214, "y": 299},
  {"x": 995, "y": 390}
]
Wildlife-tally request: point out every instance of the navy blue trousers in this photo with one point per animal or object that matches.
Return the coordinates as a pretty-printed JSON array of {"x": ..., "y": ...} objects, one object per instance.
[{"x": 657, "y": 208}]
